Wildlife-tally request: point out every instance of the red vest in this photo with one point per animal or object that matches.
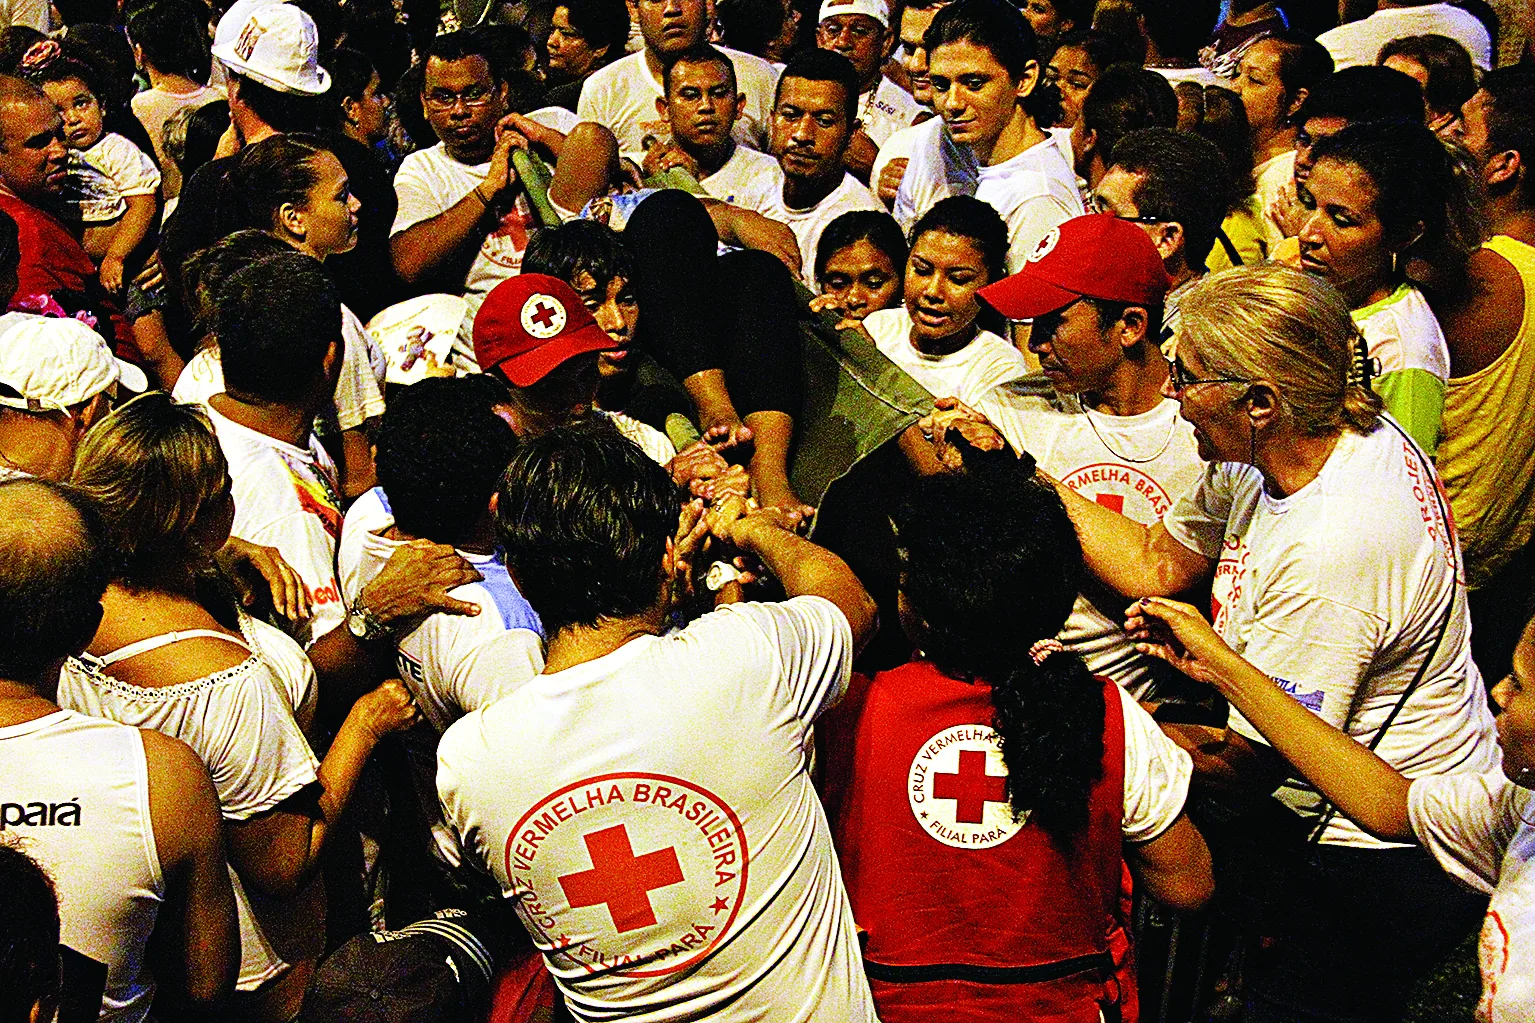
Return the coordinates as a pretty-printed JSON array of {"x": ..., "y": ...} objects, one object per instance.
[{"x": 970, "y": 915}]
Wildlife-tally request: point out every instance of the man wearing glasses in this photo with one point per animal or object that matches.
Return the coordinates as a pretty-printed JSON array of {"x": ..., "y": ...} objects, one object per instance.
[
  {"x": 1175, "y": 186},
  {"x": 1102, "y": 424},
  {"x": 462, "y": 224},
  {"x": 860, "y": 30}
]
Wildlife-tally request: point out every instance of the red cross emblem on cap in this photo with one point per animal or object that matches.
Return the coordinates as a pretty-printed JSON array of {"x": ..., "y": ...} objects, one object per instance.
[{"x": 543, "y": 316}]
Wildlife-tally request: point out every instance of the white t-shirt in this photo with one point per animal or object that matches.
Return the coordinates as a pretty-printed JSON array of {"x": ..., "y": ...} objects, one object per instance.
[
  {"x": 1134, "y": 465},
  {"x": 153, "y": 107},
  {"x": 1033, "y": 192},
  {"x": 885, "y": 110},
  {"x": 430, "y": 182},
  {"x": 108, "y": 172},
  {"x": 658, "y": 447},
  {"x": 746, "y": 179},
  {"x": 807, "y": 224},
  {"x": 1157, "y": 775},
  {"x": 286, "y": 497},
  {"x": 1359, "y": 42},
  {"x": 1338, "y": 592},
  {"x": 1272, "y": 175},
  {"x": 623, "y": 800},
  {"x": 1478, "y": 827},
  {"x": 968, "y": 374},
  {"x": 451, "y": 663},
  {"x": 75, "y": 793},
  {"x": 897, "y": 147},
  {"x": 623, "y": 97},
  {"x": 1412, "y": 360},
  {"x": 359, "y": 389}
]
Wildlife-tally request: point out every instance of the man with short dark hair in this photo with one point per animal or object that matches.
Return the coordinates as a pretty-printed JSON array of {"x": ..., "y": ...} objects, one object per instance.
[
  {"x": 1104, "y": 426},
  {"x": 1174, "y": 185},
  {"x": 702, "y": 106},
  {"x": 126, "y": 821},
  {"x": 656, "y": 824},
  {"x": 441, "y": 449},
  {"x": 279, "y": 331},
  {"x": 815, "y": 113},
  {"x": 622, "y": 95}
]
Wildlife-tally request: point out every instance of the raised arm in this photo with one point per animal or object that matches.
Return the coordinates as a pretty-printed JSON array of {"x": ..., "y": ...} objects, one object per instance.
[
  {"x": 803, "y": 568},
  {"x": 277, "y": 852},
  {"x": 1365, "y": 788},
  {"x": 197, "y": 938}
]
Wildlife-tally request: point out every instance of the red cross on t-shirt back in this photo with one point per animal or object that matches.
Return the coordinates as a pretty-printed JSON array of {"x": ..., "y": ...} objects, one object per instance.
[
  {"x": 543, "y": 315},
  {"x": 620, "y": 879},
  {"x": 972, "y": 788}
]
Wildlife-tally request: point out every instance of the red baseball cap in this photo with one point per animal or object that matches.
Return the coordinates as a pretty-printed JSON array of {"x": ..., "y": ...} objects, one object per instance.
[
  {"x": 1094, "y": 256},
  {"x": 531, "y": 323}
]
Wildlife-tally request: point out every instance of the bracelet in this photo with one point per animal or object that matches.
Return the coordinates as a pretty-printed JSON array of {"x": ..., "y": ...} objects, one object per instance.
[{"x": 483, "y": 201}]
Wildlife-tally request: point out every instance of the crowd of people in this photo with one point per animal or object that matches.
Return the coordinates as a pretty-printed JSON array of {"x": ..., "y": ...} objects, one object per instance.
[{"x": 747, "y": 510}]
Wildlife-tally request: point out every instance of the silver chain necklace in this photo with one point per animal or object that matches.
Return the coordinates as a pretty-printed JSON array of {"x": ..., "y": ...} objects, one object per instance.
[{"x": 1172, "y": 429}]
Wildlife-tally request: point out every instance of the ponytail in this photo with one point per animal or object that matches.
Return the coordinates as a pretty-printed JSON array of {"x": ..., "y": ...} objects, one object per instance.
[
  {"x": 1050, "y": 718},
  {"x": 266, "y": 176}
]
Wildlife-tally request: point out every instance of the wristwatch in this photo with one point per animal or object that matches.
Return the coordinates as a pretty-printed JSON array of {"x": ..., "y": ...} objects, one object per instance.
[{"x": 364, "y": 624}]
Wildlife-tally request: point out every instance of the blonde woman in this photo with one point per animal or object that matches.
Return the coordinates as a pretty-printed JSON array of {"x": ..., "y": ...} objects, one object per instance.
[
  {"x": 1336, "y": 573},
  {"x": 175, "y": 654}
]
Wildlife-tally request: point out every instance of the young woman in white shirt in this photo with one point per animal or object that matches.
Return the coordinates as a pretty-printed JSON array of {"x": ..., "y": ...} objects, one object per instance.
[
  {"x": 1336, "y": 573},
  {"x": 1383, "y": 204},
  {"x": 937, "y": 336},
  {"x": 859, "y": 264},
  {"x": 296, "y": 189},
  {"x": 176, "y": 654}
]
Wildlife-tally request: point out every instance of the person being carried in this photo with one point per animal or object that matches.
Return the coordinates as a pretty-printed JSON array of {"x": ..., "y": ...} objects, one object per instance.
[
  {"x": 117, "y": 185},
  {"x": 690, "y": 884}
]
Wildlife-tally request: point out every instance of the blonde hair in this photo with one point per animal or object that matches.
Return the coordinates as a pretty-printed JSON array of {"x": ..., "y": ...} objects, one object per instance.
[
  {"x": 1291, "y": 329},
  {"x": 151, "y": 467}
]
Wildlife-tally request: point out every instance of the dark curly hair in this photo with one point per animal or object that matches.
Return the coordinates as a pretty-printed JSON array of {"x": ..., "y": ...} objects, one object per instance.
[{"x": 991, "y": 564}]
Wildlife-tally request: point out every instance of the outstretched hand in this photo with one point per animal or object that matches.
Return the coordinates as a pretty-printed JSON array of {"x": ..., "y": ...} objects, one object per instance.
[
  {"x": 1178, "y": 634},
  {"x": 952, "y": 421}
]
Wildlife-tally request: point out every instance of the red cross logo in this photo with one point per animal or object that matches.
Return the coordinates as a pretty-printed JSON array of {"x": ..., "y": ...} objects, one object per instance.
[
  {"x": 1113, "y": 502},
  {"x": 621, "y": 880},
  {"x": 972, "y": 788},
  {"x": 543, "y": 315}
]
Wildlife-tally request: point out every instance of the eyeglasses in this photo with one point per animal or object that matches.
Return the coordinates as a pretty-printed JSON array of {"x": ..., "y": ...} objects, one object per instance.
[
  {"x": 859, "y": 30},
  {"x": 474, "y": 96},
  {"x": 1101, "y": 205},
  {"x": 1180, "y": 378}
]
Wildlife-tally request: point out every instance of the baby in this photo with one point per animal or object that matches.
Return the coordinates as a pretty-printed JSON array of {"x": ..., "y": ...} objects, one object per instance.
[{"x": 117, "y": 183}]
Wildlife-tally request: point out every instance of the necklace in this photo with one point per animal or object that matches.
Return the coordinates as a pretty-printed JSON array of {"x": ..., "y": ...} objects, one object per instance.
[{"x": 1172, "y": 429}]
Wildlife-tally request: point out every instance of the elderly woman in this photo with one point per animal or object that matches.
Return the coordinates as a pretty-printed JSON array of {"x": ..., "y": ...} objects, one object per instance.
[
  {"x": 1336, "y": 573},
  {"x": 174, "y": 654}
]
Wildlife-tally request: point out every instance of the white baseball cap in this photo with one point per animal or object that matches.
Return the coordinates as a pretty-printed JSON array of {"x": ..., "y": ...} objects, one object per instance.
[
  {"x": 875, "y": 9},
  {"x": 273, "y": 43},
  {"x": 53, "y": 363}
]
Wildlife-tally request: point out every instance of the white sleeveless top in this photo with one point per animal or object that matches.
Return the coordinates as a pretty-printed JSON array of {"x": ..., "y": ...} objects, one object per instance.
[
  {"x": 241, "y": 724},
  {"x": 75, "y": 791}
]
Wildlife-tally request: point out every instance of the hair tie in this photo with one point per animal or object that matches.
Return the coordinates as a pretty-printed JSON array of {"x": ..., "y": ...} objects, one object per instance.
[
  {"x": 1044, "y": 648},
  {"x": 40, "y": 54}
]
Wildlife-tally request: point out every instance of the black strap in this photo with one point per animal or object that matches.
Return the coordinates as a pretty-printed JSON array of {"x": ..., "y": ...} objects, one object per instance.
[
  {"x": 1231, "y": 250},
  {"x": 1095, "y": 962}
]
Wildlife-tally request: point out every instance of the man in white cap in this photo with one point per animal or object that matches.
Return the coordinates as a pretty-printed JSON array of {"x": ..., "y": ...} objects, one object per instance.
[
  {"x": 860, "y": 31},
  {"x": 57, "y": 378}
]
